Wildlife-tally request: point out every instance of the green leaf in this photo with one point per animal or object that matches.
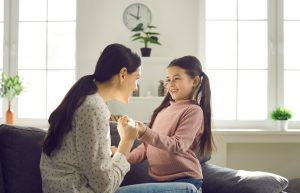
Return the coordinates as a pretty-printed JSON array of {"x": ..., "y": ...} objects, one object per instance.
[
  {"x": 10, "y": 86},
  {"x": 153, "y": 39},
  {"x": 281, "y": 113},
  {"x": 151, "y": 26},
  {"x": 156, "y": 43},
  {"x": 135, "y": 35},
  {"x": 139, "y": 27},
  {"x": 152, "y": 33},
  {"x": 145, "y": 36},
  {"x": 137, "y": 38}
]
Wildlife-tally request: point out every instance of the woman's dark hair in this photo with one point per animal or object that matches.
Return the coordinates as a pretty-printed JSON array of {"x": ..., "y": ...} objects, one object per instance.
[
  {"x": 201, "y": 95},
  {"x": 113, "y": 58}
]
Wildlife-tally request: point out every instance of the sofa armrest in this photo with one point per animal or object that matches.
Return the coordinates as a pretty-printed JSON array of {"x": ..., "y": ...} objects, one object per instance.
[
  {"x": 218, "y": 179},
  {"x": 1, "y": 179},
  {"x": 20, "y": 152}
]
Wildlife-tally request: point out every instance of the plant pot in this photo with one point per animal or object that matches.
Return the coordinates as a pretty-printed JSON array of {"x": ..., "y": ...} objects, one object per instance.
[
  {"x": 146, "y": 52},
  {"x": 283, "y": 124}
]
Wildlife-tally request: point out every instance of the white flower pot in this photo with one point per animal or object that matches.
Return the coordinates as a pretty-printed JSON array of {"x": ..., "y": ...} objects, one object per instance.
[{"x": 283, "y": 124}]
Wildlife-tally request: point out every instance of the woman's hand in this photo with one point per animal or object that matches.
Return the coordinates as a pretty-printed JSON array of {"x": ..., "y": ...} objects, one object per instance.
[
  {"x": 128, "y": 133},
  {"x": 127, "y": 128},
  {"x": 113, "y": 150}
]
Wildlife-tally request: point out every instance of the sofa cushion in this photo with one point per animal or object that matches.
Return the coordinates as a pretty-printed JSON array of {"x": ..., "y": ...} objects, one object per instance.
[
  {"x": 20, "y": 150},
  {"x": 225, "y": 180},
  {"x": 294, "y": 186}
]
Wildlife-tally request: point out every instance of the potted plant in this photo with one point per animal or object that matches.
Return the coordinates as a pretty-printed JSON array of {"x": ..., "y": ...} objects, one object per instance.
[
  {"x": 11, "y": 86},
  {"x": 282, "y": 115},
  {"x": 146, "y": 36}
]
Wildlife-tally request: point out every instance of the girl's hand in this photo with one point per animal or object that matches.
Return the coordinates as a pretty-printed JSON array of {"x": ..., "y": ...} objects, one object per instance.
[
  {"x": 141, "y": 127},
  {"x": 127, "y": 128}
]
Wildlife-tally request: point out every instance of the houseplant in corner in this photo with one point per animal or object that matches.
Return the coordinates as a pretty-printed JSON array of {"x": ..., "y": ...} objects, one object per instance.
[
  {"x": 11, "y": 86},
  {"x": 146, "y": 36},
  {"x": 281, "y": 115}
]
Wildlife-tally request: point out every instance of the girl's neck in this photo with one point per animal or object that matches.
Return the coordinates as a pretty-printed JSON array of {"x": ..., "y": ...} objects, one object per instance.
[{"x": 181, "y": 101}]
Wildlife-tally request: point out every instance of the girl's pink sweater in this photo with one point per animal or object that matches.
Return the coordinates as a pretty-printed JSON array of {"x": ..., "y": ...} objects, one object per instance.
[{"x": 169, "y": 146}]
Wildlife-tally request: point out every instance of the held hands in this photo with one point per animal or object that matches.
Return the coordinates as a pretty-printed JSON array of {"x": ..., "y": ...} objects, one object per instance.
[{"x": 127, "y": 128}]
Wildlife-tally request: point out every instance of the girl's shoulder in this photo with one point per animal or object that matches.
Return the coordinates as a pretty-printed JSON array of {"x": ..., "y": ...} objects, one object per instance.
[{"x": 193, "y": 108}]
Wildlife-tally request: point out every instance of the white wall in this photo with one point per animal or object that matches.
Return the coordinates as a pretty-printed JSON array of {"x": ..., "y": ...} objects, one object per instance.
[
  {"x": 279, "y": 158},
  {"x": 100, "y": 22}
]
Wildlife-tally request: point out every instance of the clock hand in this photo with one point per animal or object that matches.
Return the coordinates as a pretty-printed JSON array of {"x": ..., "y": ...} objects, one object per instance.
[
  {"x": 133, "y": 16},
  {"x": 138, "y": 13}
]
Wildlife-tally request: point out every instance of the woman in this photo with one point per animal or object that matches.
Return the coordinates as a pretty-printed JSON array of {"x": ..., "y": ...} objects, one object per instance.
[{"x": 76, "y": 151}]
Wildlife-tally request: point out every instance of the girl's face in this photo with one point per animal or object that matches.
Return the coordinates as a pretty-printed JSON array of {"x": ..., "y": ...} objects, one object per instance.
[
  {"x": 129, "y": 84},
  {"x": 179, "y": 84}
]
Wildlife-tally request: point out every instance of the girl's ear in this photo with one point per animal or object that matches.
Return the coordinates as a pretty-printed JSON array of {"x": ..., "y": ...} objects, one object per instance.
[
  {"x": 196, "y": 81},
  {"x": 122, "y": 74}
]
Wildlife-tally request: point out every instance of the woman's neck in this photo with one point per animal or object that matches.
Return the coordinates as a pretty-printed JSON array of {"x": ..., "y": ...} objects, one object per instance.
[{"x": 106, "y": 91}]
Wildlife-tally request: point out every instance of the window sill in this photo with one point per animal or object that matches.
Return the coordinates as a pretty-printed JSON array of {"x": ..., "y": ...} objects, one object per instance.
[
  {"x": 257, "y": 132},
  {"x": 257, "y": 136}
]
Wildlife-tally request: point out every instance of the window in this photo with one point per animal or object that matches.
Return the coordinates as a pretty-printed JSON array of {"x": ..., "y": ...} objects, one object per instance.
[
  {"x": 243, "y": 58},
  {"x": 291, "y": 25},
  {"x": 1, "y": 41},
  {"x": 45, "y": 34}
]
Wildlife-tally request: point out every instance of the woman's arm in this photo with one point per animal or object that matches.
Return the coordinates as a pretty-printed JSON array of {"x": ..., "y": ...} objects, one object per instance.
[{"x": 104, "y": 174}]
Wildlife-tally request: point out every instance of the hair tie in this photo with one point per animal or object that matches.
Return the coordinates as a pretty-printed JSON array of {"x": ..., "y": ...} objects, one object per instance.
[
  {"x": 92, "y": 77},
  {"x": 202, "y": 74}
]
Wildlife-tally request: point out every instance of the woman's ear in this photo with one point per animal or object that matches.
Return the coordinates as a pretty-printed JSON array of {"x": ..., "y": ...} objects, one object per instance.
[{"x": 122, "y": 73}]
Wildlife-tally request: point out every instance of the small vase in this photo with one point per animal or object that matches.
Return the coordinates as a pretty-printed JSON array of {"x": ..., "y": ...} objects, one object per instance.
[
  {"x": 161, "y": 89},
  {"x": 283, "y": 124},
  {"x": 9, "y": 114}
]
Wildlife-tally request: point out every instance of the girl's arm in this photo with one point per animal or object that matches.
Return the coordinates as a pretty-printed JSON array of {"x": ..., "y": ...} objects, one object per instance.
[
  {"x": 189, "y": 125},
  {"x": 137, "y": 155}
]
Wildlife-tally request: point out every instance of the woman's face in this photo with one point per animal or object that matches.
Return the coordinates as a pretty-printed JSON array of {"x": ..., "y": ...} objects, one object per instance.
[
  {"x": 129, "y": 85},
  {"x": 179, "y": 84}
]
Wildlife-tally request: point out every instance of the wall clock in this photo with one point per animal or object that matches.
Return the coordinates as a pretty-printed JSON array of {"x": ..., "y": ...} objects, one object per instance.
[{"x": 137, "y": 13}]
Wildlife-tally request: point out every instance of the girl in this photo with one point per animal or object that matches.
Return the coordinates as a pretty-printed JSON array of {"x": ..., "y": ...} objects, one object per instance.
[
  {"x": 179, "y": 126},
  {"x": 76, "y": 151}
]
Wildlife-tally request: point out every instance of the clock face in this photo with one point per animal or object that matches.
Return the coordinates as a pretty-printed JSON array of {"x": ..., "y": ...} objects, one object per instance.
[{"x": 136, "y": 13}]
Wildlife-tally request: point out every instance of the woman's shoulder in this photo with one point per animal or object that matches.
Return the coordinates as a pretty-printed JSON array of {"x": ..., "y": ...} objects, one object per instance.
[{"x": 93, "y": 102}]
